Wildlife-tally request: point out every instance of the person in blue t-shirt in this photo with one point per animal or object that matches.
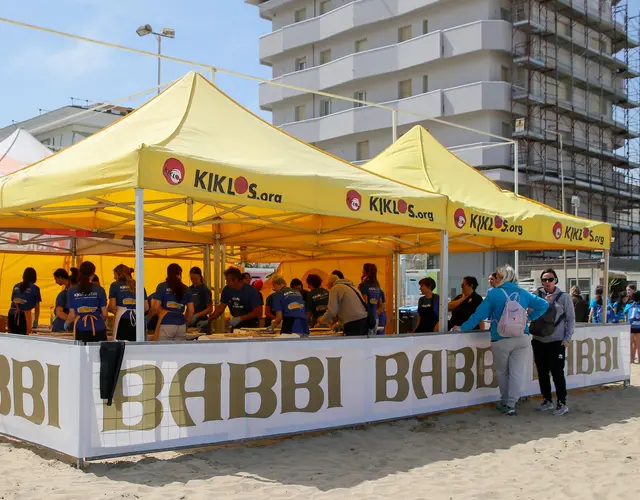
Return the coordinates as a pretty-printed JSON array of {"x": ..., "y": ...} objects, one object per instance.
[
  {"x": 371, "y": 293},
  {"x": 25, "y": 304},
  {"x": 61, "y": 311},
  {"x": 633, "y": 317},
  {"x": 87, "y": 303},
  {"x": 202, "y": 300},
  {"x": 173, "y": 302},
  {"x": 289, "y": 307},
  {"x": 242, "y": 300},
  {"x": 122, "y": 303}
]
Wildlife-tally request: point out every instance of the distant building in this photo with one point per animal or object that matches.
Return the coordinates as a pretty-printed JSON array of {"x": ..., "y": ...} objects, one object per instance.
[{"x": 65, "y": 126}]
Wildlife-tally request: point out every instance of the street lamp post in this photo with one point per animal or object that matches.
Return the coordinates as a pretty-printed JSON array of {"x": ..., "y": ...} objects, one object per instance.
[
  {"x": 575, "y": 201},
  {"x": 564, "y": 252},
  {"x": 145, "y": 30}
]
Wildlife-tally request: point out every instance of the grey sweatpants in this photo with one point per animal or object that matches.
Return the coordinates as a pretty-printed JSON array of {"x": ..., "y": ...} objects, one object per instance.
[
  {"x": 172, "y": 332},
  {"x": 510, "y": 359}
]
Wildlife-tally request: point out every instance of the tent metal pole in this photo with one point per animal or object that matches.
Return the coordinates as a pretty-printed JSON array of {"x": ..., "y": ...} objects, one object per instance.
[
  {"x": 395, "y": 299},
  {"x": 394, "y": 126},
  {"x": 216, "y": 268},
  {"x": 207, "y": 265},
  {"x": 516, "y": 186},
  {"x": 605, "y": 286},
  {"x": 139, "y": 252},
  {"x": 74, "y": 252},
  {"x": 443, "y": 313}
]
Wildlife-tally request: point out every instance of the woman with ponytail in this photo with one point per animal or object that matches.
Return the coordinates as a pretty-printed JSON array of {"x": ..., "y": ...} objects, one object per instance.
[
  {"x": 24, "y": 299},
  {"x": 62, "y": 278},
  {"x": 87, "y": 304},
  {"x": 122, "y": 303},
  {"x": 173, "y": 303}
]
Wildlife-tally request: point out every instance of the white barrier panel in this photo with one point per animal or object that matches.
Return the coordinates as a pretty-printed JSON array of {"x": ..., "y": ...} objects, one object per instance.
[
  {"x": 40, "y": 391},
  {"x": 210, "y": 392}
]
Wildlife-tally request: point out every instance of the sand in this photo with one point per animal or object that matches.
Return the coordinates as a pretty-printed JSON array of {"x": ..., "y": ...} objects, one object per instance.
[{"x": 594, "y": 452}]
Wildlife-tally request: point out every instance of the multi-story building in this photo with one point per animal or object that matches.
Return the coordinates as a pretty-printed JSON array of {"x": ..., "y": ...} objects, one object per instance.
[
  {"x": 569, "y": 67},
  {"x": 65, "y": 126}
]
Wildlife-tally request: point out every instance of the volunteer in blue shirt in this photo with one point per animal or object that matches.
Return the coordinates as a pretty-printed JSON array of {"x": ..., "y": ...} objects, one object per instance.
[
  {"x": 173, "y": 303},
  {"x": 633, "y": 317},
  {"x": 122, "y": 303},
  {"x": 317, "y": 299},
  {"x": 288, "y": 304},
  {"x": 371, "y": 293},
  {"x": 25, "y": 304},
  {"x": 87, "y": 303},
  {"x": 202, "y": 300},
  {"x": 242, "y": 300},
  {"x": 510, "y": 354},
  {"x": 61, "y": 311}
]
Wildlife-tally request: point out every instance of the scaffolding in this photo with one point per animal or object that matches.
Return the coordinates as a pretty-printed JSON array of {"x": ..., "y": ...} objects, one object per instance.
[{"x": 575, "y": 75}]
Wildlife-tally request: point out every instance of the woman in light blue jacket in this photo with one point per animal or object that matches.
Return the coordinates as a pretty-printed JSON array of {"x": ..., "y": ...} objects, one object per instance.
[{"x": 510, "y": 354}]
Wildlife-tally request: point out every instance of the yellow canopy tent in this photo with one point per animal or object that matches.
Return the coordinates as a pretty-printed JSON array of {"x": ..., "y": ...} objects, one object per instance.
[{"x": 481, "y": 215}]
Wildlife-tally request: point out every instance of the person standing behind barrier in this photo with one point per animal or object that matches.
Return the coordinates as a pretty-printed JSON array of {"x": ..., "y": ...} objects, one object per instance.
[
  {"x": 61, "y": 311},
  {"x": 244, "y": 301},
  {"x": 25, "y": 298},
  {"x": 317, "y": 298},
  {"x": 465, "y": 304},
  {"x": 173, "y": 303},
  {"x": 551, "y": 336},
  {"x": 370, "y": 290},
  {"x": 122, "y": 303},
  {"x": 428, "y": 307},
  {"x": 346, "y": 304},
  {"x": 596, "y": 306},
  {"x": 580, "y": 306},
  {"x": 633, "y": 317},
  {"x": 288, "y": 304},
  {"x": 87, "y": 304},
  {"x": 509, "y": 352},
  {"x": 202, "y": 300}
]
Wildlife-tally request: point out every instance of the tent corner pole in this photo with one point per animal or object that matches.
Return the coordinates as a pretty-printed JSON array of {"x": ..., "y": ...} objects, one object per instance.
[
  {"x": 394, "y": 127},
  {"x": 217, "y": 280},
  {"x": 516, "y": 189},
  {"x": 139, "y": 256},
  {"x": 207, "y": 265},
  {"x": 443, "y": 314},
  {"x": 605, "y": 284},
  {"x": 397, "y": 290}
]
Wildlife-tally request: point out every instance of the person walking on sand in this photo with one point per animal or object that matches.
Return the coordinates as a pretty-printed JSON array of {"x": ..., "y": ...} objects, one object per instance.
[
  {"x": 551, "y": 334},
  {"x": 506, "y": 306}
]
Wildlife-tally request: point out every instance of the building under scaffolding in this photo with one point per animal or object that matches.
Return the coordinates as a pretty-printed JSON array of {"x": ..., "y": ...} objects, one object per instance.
[{"x": 575, "y": 83}]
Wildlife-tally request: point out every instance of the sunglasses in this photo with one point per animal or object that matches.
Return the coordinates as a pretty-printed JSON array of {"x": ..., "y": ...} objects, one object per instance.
[{"x": 548, "y": 280}]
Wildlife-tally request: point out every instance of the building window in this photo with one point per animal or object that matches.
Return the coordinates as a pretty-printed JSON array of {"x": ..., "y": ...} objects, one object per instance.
[
  {"x": 520, "y": 75},
  {"x": 301, "y": 63},
  {"x": 606, "y": 107},
  {"x": 301, "y": 15},
  {"x": 404, "y": 34},
  {"x": 325, "y": 7},
  {"x": 404, "y": 89},
  {"x": 325, "y": 107},
  {"x": 425, "y": 84},
  {"x": 325, "y": 56},
  {"x": 425, "y": 26},
  {"x": 361, "y": 45},
  {"x": 505, "y": 14},
  {"x": 506, "y": 129},
  {"x": 360, "y": 95},
  {"x": 301, "y": 112},
  {"x": 505, "y": 74},
  {"x": 362, "y": 150}
]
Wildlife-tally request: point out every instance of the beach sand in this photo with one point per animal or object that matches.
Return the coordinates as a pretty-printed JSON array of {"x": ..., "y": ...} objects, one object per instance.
[{"x": 594, "y": 452}]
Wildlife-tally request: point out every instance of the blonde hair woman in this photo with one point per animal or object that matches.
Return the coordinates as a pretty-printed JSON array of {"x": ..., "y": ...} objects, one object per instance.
[{"x": 289, "y": 308}]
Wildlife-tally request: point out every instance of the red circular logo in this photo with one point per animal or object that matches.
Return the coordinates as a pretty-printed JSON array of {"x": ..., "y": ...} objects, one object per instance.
[
  {"x": 402, "y": 206},
  {"x": 354, "y": 200},
  {"x": 585, "y": 232},
  {"x": 498, "y": 221},
  {"x": 557, "y": 230},
  {"x": 460, "y": 218},
  {"x": 173, "y": 171},
  {"x": 241, "y": 185}
]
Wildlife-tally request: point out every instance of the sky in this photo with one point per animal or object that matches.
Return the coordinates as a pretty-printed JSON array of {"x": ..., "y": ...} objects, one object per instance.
[{"x": 43, "y": 71}]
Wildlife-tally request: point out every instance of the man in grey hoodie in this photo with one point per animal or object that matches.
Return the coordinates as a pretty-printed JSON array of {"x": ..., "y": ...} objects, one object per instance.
[
  {"x": 346, "y": 303},
  {"x": 549, "y": 352}
]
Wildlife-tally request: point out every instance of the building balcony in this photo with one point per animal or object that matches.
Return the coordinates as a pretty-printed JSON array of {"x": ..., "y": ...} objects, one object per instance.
[
  {"x": 578, "y": 146},
  {"x": 472, "y": 37},
  {"x": 480, "y": 96},
  {"x": 347, "y": 17},
  {"x": 577, "y": 112}
]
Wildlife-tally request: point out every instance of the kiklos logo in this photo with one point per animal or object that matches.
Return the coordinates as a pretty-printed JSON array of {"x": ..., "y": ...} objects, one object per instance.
[
  {"x": 354, "y": 200},
  {"x": 173, "y": 171},
  {"x": 223, "y": 184},
  {"x": 460, "y": 218}
]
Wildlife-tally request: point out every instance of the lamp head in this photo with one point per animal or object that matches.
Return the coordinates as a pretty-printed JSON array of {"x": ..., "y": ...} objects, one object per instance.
[
  {"x": 168, "y": 32},
  {"x": 144, "y": 30}
]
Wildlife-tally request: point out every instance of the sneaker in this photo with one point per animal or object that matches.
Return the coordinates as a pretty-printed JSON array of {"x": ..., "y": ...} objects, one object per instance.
[
  {"x": 561, "y": 409},
  {"x": 547, "y": 405},
  {"x": 509, "y": 411},
  {"x": 501, "y": 407}
]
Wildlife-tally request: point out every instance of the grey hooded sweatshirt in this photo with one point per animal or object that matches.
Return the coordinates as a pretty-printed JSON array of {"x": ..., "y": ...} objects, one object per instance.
[{"x": 563, "y": 305}]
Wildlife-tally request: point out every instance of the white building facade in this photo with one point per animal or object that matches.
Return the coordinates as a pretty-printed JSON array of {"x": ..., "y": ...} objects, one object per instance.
[{"x": 563, "y": 65}]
